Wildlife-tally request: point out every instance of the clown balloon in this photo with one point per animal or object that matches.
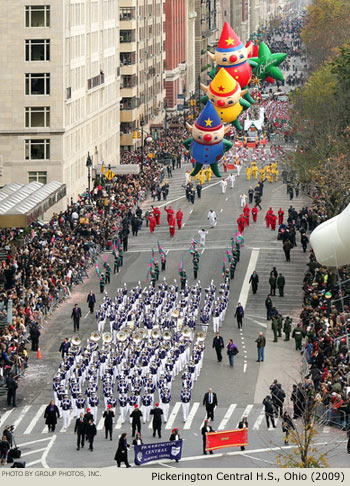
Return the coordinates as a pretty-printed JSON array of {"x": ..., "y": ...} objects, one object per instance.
[
  {"x": 226, "y": 94},
  {"x": 207, "y": 142}
]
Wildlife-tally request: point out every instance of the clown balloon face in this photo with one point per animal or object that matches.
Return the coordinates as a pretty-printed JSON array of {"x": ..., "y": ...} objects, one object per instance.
[
  {"x": 231, "y": 58},
  {"x": 208, "y": 138}
]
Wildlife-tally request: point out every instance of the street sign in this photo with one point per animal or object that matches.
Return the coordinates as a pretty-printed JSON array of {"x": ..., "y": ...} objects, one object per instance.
[{"x": 109, "y": 175}]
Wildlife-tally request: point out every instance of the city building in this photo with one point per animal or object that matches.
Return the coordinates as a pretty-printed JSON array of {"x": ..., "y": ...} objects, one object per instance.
[
  {"x": 191, "y": 15},
  {"x": 175, "y": 52},
  {"x": 59, "y": 90},
  {"x": 205, "y": 37},
  {"x": 142, "y": 58}
]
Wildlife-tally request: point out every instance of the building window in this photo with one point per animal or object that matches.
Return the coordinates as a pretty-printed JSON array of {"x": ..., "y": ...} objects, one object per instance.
[
  {"x": 37, "y": 49},
  {"x": 37, "y": 149},
  {"x": 37, "y": 176},
  {"x": 37, "y": 84},
  {"x": 127, "y": 36},
  {"x": 38, "y": 16},
  {"x": 37, "y": 116}
]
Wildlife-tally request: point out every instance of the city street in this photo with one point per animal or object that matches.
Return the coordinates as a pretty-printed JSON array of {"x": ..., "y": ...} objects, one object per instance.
[{"x": 240, "y": 390}]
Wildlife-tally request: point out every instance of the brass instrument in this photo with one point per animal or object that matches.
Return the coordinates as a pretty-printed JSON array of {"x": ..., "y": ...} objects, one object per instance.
[
  {"x": 122, "y": 336},
  {"x": 186, "y": 332},
  {"x": 76, "y": 341},
  {"x": 137, "y": 337},
  {"x": 95, "y": 336},
  {"x": 200, "y": 336},
  {"x": 155, "y": 334},
  {"x": 107, "y": 337},
  {"x": 167, "y": 335}
]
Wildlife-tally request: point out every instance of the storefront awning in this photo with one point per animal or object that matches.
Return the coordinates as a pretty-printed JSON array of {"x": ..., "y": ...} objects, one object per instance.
[{"x": 21, "y": 204}]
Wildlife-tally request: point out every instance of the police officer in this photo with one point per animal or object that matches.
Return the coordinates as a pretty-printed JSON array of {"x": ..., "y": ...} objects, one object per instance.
[{"x": 287, "y": 327}]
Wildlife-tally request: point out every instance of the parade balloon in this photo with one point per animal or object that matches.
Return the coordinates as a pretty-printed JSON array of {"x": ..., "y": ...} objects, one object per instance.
[
  {"x": 226, "y": 95},
  {"x": 330, "y": 241},
  {"x": 207, "y": 143},
  {"x": 232, "y": 55},
  {"x": 266, "y": 63}
]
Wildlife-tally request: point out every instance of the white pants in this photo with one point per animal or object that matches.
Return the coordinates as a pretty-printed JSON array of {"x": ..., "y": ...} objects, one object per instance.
[
  {"x": 65, "y": 416},
  {"x": 101, "y": 326},
  {"x": 123, "y": 411},
  {"x": 185, "y": 410},
  {"x": 216, "y": 324},
  {"x": 75, "y": 410},
  {"x": 146, "y": 412},
  {"x": 94, "y": 413},
  {"x": 212, "y": 222},
  {"x": 202, "y": 240},
  {"x": 79, "y": 411},
  {"x": 165, "y": 407}
]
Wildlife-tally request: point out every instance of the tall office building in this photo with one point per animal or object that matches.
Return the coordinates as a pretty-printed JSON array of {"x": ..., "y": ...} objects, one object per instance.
[
  {"x": 191, "y": 15},
  {"x": 206, "y": 36},
  {"x": 175, "y": 52},
  {"x": 59, "y": 89},
  {"x": 142, "y": 57}
]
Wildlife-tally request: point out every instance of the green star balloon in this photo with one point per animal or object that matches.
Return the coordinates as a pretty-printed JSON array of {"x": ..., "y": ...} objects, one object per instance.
[{"x": 266, "y": 63}]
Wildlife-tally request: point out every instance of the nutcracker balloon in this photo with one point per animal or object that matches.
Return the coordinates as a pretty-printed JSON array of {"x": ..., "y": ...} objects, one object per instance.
[
  {"x": 226, "y": 95},
  {"x": 232, "y": 55},
  {"x": 207, "y": 143}
]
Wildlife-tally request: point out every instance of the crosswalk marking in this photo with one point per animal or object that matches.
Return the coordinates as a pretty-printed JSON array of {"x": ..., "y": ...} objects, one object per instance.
[
  {"x": 172, "y": 416},
  {"x": 5, "y": 416},
  {"x": 34, "y": 420},
  {"x": 191, "y": 415},
  {"x": 258, "y": 421},
  {"x": 21, "y": 415},
  {"x": 227, "y": 416},
  {"x": 246, "y": 412}
]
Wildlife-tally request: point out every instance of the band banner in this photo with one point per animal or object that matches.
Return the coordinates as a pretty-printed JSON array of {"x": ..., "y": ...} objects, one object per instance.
[
  {"x": 226, "y": 438},
  {"x": 161, "y": 450}
]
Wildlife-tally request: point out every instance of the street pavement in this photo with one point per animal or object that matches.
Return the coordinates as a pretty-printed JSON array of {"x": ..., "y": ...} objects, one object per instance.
[{"x": 240, "y": 390}]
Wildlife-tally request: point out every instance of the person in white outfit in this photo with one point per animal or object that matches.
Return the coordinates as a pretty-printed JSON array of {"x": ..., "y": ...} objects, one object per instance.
[
  {"x": 243, "y": 199},
  {"x": 212, "y": 218},
  {"x": 239, "y": 167},
  {"x": 231, "y": 179},
  {"x": 187, "y": 178},
  {"x": 223, "y": 185},
  {"x": 202, "y": 234}
]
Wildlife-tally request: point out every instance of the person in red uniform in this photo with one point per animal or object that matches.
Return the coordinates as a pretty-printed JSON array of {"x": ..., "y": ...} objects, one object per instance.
[
  {"x": 241, "y": 223},
  {"x": 179, "y": 216},
  {"x": 268, "y": 217},
  {"x": 273, "y": 220},
  {"x": 170, "y": 213},
  {"x": 246, "y": 212},
  {"x": 255, "y": 213},
  {"x": 280, "y": 216},
  {"x": 156, "y": 214},
  {"x": 152, "y": 223},
  {"x": 171, "y": 224}
]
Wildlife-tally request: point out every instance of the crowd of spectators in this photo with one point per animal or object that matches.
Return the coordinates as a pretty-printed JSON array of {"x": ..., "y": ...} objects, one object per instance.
[
  {"x": 325, "y": 321},
  {"x": 41, "y": 263}
]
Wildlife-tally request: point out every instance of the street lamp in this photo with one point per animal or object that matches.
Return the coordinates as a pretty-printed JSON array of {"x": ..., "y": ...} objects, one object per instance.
[{"x": 89, "y": 165}]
